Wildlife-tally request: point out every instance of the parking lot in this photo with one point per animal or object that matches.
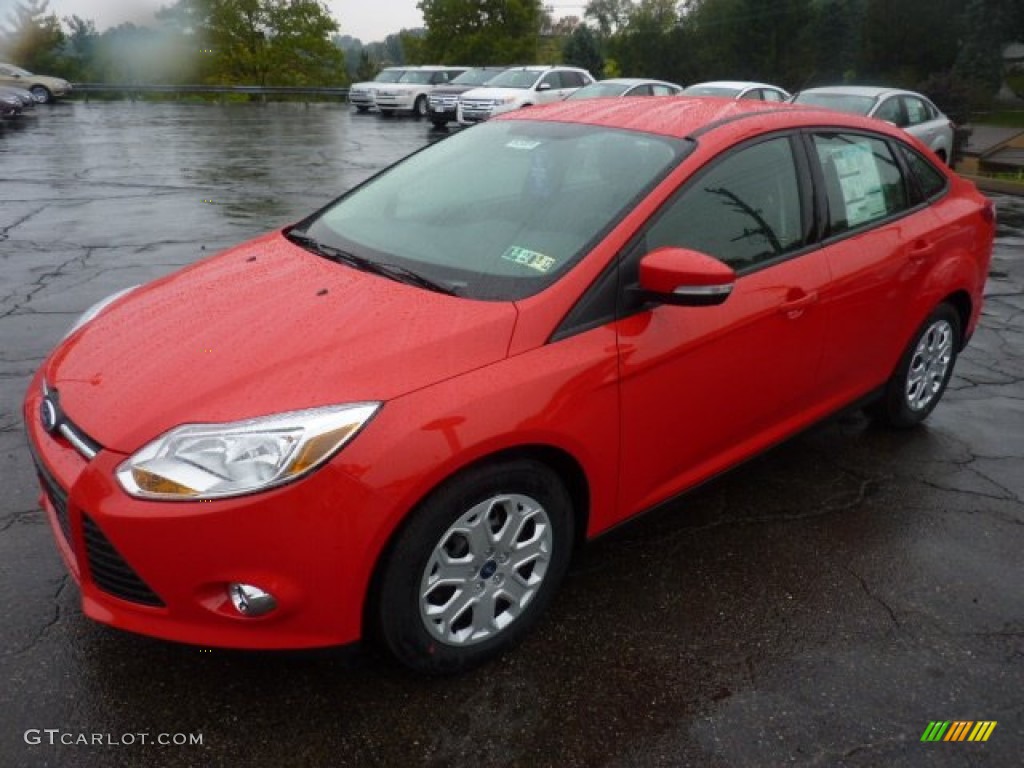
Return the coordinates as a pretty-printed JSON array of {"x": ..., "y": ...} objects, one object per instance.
[{"x": 818, "y": 606}]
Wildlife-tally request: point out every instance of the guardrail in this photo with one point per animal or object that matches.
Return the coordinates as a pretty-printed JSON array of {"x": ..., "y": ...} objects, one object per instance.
[{"x": 133, "y": 91}]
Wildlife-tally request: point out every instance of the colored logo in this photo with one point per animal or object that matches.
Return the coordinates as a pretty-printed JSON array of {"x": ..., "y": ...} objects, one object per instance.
[{"x": 958, "y": 730}]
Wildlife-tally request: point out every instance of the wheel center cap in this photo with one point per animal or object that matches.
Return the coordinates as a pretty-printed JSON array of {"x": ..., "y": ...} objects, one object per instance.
[{"x": 488, "y": 570}]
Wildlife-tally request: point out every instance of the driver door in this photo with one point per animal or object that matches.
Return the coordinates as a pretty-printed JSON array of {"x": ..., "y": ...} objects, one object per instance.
[{"x": 704, "y": 387}]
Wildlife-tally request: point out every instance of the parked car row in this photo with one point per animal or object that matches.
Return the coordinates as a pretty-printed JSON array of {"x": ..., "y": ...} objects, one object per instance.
[
  {"x": 470, "y": 95},
  {"x": 41, "y": 89}
]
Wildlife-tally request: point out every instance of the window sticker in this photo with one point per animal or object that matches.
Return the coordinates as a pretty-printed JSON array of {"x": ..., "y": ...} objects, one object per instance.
[
  {"x": 528, "y": 258},
  {"x": 526, "y": 144},
  {"x": 860, "y": 181}
]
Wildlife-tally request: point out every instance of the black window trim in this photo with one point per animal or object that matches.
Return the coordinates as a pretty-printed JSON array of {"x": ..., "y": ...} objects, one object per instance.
[{"x": 577, "y": 321}]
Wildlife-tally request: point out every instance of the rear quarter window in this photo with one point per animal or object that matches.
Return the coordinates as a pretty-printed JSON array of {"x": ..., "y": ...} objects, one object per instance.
[{"x": 930, "y": 181}]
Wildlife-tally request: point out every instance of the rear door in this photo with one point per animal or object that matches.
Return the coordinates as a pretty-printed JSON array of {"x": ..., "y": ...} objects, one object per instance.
[{"x": 879, "y": 242}]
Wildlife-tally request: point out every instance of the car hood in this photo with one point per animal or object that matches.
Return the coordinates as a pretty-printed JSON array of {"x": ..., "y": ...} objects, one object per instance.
[
  {"x": 263, "y": 328},
  {"x": 494, "y": 93},
  {"x": 453, "y": 90}
]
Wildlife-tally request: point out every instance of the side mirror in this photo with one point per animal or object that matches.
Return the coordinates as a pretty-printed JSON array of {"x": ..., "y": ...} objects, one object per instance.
[
  {"x": 544, "y": 87},
  {"x": 685, "y": 278}
]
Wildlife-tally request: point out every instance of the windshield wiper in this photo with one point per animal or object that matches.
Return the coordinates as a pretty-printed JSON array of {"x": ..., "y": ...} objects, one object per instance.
[{"x": 391, "y": 271}]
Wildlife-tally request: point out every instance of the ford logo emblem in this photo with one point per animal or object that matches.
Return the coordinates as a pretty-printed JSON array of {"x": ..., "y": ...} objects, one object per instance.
[{"x": 48, "y": 414}]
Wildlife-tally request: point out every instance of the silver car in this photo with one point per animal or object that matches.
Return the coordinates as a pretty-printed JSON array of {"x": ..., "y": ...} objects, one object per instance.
[{"x": 910, "y": 111}]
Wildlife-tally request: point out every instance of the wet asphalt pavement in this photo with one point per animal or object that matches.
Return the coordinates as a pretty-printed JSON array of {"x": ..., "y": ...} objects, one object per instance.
[{"x": 818, "y": 606}]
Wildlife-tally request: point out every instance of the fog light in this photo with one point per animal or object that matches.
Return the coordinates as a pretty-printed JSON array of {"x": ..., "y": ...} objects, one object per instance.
[{"x": 251, "y": 601}]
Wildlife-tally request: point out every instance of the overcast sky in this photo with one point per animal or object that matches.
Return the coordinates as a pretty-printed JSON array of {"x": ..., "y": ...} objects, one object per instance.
[{"x": 369, "y": 20}]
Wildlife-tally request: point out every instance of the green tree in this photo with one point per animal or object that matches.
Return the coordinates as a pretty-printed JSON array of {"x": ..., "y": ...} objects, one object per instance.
[
  {"x": 260, "y": 42},
  {"x": 581, "y": 49},
  {"x": 608, "y": 15},
  {"x": 480, "y": 31},
  {"x": 32, "y": 37},
  {"x": 989, "y": 26}
]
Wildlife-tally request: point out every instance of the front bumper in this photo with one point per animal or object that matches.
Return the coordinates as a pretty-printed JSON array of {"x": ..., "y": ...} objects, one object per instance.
[
  {"x": 162, "y": 568},
  {"x": 403, "y": 101},
  {"x": 360, "y": 99}
]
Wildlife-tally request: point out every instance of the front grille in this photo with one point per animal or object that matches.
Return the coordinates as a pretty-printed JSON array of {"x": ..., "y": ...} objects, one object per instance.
[
  {"x": 109, "y": 570},
  {"x": 58, "y": 498},
  {"x": 477, "y": 105}
]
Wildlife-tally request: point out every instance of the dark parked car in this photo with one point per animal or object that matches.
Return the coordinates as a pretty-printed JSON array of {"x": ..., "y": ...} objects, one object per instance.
[{"x": 444, "y": 100}]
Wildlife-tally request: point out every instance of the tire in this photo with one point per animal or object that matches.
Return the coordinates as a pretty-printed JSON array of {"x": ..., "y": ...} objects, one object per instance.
[
  {"x": 439, "y": 124},
  {"x": 41, "y": 94},
  {"x": 474, "y": 567},
  {"x": 362, "y": 110},
  {"x": 419, "y": 108},
  {"x": 920, "y": 379}
]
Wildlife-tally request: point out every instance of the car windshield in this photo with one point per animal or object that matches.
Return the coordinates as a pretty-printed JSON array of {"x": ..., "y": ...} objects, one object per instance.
[
  {"x": 389, "y": 76},
  {"x": 416, "y": 76},
  {"x": 500, "y": 211},
  {"x": 842, "y": 102},
  {"x": 516, "y": 78},
  {"x": 724, "y": 91},
  {"x": 476, "y": 77},
  {"x": 599, "y": 90},
  {"x": 10, "y": 69}
]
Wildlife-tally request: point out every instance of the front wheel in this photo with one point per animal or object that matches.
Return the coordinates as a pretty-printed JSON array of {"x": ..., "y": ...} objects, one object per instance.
[
  {"x": 420, "y": 107},
  {"x": 41, "y": 94},
  {"x": 475, "y": 566},
  {"x": 925, "y": 369}
]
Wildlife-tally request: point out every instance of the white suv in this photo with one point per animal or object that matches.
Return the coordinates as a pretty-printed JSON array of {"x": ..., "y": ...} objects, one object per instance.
[
  {"x": 411, "y": 91},
  {"x": 520, "y": 87},
  {"x": 363, "y": 95}
]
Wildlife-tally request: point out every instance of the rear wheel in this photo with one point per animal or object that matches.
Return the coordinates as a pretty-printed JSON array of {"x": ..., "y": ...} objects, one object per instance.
[
  {"x": 920, "y": 380},
  {"x": 475, "y": 567},
  {"x": 420, "y": 107},
  {"x": 41, "y": 94}
]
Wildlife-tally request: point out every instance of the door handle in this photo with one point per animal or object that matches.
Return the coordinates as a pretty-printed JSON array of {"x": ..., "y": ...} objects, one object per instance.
[
  {"x": 795, "y": 307},
  {"x": 921, "y": 250}
]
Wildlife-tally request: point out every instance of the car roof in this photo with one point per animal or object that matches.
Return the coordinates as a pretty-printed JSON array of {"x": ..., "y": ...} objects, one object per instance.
[
  {"x": 869, "y": 91},
  {"x": 631, "y": 81},
  {"x": 738, "y": 84},
  {"x": 687, "y": 117}
]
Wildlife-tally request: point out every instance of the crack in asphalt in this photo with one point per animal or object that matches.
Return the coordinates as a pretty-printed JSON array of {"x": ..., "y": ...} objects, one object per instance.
[
  {"x": 871, "y": 594},
  {"x": 38, "y": 637},
  {"x": 40, "y": 283},
  {"x": 9, "y": 520},
  {"x": 5, "y": 231}
]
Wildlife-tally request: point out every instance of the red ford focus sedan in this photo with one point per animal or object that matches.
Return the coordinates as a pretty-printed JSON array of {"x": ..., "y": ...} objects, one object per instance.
[{"x": 398, "y": 417}]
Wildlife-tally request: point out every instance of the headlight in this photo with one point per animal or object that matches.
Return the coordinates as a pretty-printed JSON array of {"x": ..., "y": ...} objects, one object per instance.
[
  {"x": 95, "y": 309},
  {"x": 208, "y": 461}
]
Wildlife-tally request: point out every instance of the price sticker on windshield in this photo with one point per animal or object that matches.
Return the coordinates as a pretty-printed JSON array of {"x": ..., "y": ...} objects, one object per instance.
[{"x": 528, "y": 258}]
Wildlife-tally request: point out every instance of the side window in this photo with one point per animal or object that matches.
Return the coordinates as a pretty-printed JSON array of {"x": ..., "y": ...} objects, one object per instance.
[
  {"x": 660, "y": 90},
  {"x": 744, "y": 210},
  {"x": 917, "y": 110},
  {"x": 552, "y": 80},
  {"x": 572, "y": 80},
  {"x": 771, "y": 95},
  {"x": 890, "y": 110},
  {"x": 930, "y": 180},
  {"x": 863, "y": 182},
  {"x": 754, "y": 94},
  {"x": 641, "y": 90}
]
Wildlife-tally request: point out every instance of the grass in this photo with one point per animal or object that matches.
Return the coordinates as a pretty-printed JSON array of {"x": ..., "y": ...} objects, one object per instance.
[{"x": 1010, "y": 118}]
